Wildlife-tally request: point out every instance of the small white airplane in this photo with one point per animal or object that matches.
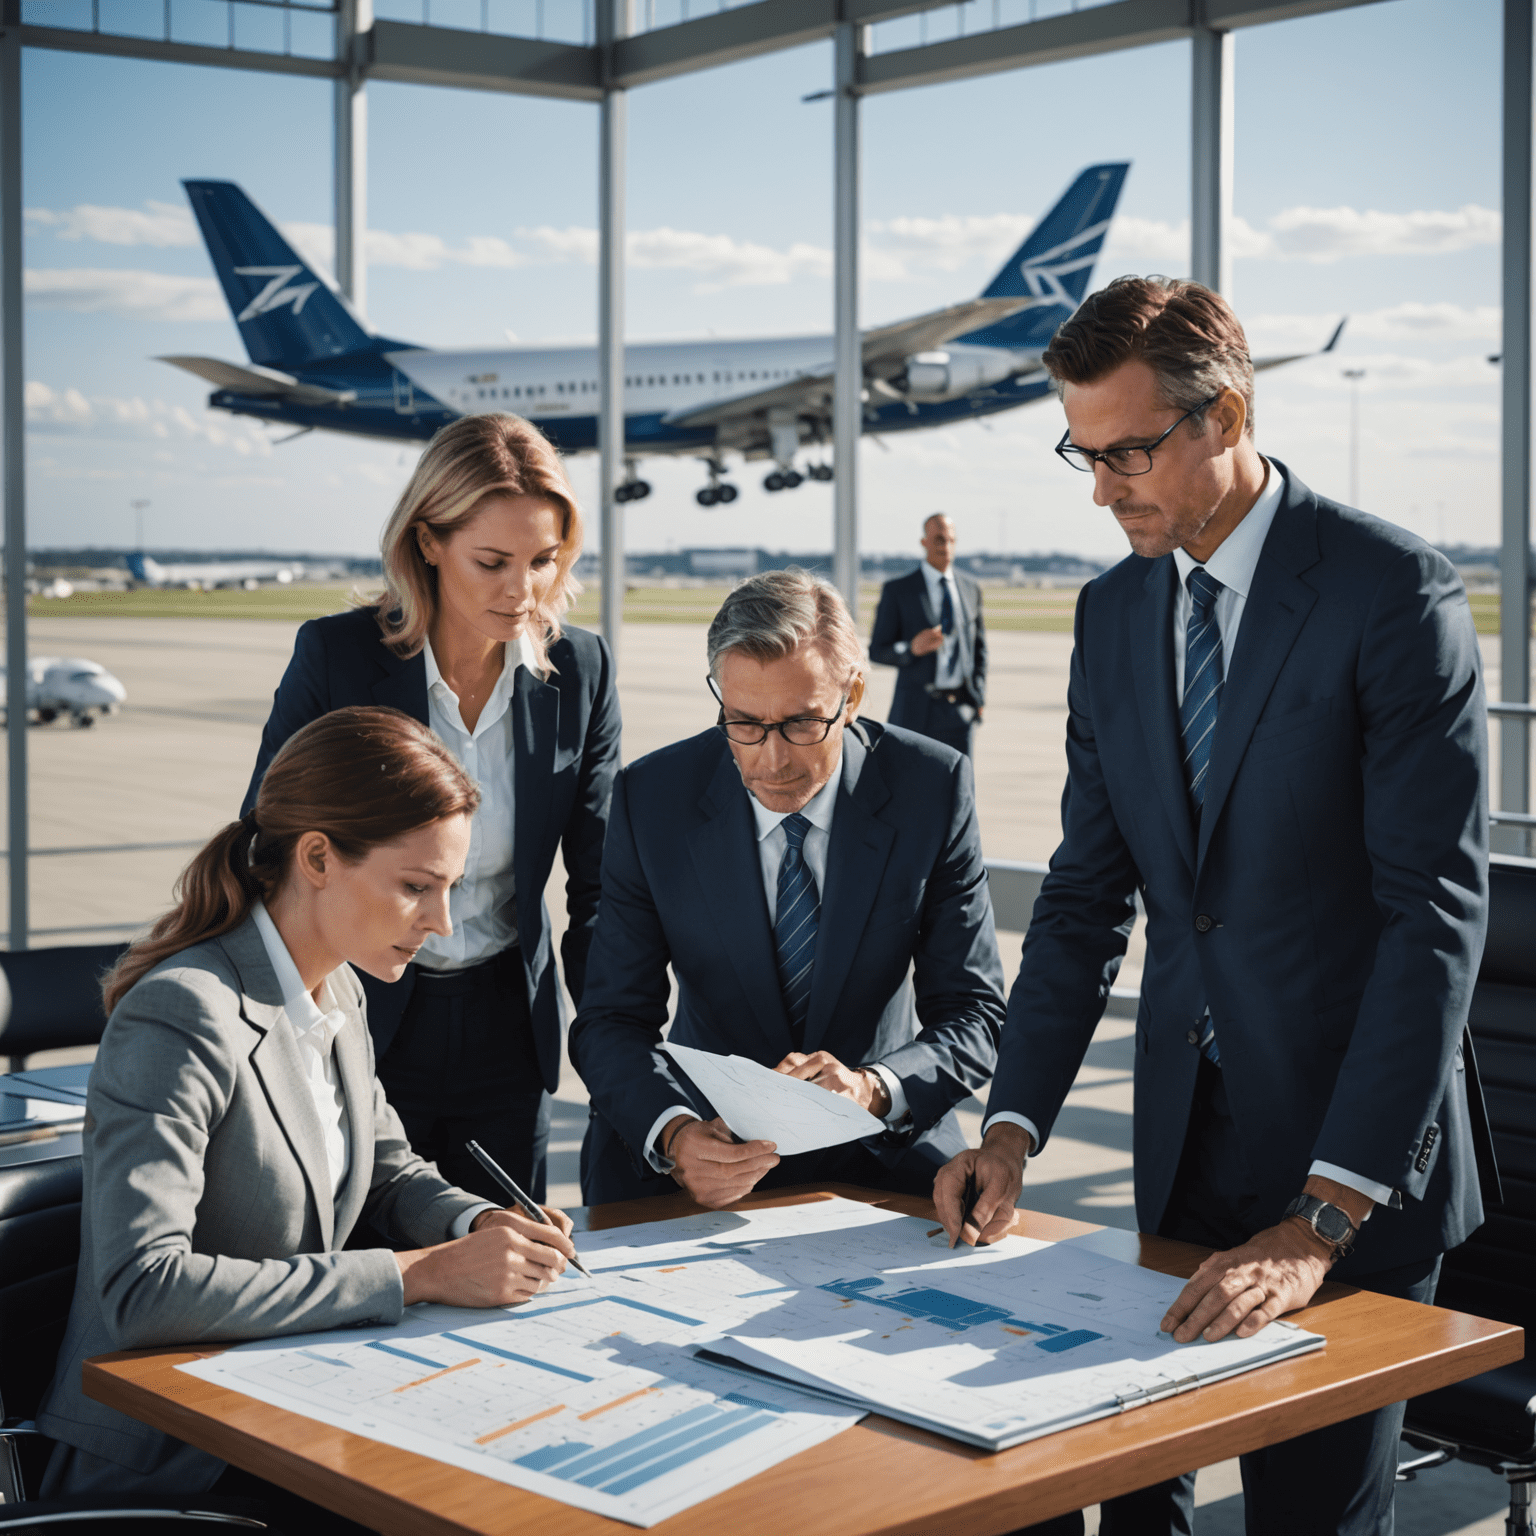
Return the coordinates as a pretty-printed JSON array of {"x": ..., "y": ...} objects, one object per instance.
[
  {"x": 68, "y": 685},
  {"x": 207, "y": 575}
]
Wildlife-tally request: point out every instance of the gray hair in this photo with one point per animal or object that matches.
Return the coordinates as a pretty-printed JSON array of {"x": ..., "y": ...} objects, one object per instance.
[{"x": 772, "y": 615}]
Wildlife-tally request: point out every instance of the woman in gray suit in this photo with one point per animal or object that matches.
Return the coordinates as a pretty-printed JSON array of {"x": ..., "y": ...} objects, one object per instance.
[{"x": 236, "y": 1133}]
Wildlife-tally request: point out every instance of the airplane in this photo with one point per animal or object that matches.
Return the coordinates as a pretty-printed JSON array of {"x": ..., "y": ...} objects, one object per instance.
[
  {"x": 314, "y": 363},
  {"x": 68, "y": 685},
  {"x": 214, "y": 573}
]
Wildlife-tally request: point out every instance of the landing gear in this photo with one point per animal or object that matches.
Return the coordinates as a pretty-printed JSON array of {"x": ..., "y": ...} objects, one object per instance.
[
  {"x": 782, "y": 480},
  {"x": 819, "y": 471},
  {"x": 633, "y": 490},
  {"x": 718, "y": 492},
  {"x": 83, "y": 720}
]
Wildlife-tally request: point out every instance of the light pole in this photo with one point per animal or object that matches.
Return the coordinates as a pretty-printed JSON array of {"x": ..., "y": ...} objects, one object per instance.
[
  {"x": 1354, "y": 375},
  {"x": 138, "y": 522}
]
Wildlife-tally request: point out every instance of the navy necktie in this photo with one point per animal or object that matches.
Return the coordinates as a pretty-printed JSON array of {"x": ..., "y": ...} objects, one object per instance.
[
  {"x": 1203, "y": 676},
  {"x": 794, "y": 925},
  {"x": 1203, "y": 680},
  {"x": 947, "y": 613}
]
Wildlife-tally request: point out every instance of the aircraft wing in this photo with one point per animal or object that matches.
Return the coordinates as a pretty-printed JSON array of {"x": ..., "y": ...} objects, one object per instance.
[
  {"x": 885, "y": 348},
  {"x": 1261, "y": 363},
  {"x": 253, "y": 379}
]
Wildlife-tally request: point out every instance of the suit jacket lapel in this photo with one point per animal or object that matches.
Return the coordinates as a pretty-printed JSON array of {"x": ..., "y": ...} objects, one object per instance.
[
  {"x": 276, "y": 1060},
  {"x": 857, "y": 853},
  {"x": 351, "y": 1055},
  {"x": 1151, "y": 646},
  {"x": 403, "y": 684},
  {"x": 535, "y": 727},
  {"x": 929, "y": 612},
  {"x": 1273, "y": 615},
  {"x": 725, "y": 855}
]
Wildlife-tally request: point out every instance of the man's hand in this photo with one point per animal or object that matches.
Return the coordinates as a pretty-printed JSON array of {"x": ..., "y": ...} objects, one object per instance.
[
  {"x": 864, "y": 1087},
  {"x": 1275, "y": 1271},
  {"x": 711, "y": 1165},
  {"x": 998, "y": 1169},
  {"x": 926, "y": 640},
  {"x": 505, "y": 1259}
]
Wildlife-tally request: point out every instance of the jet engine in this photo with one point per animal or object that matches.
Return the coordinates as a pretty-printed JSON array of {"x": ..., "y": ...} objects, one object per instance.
[{"x": 944, "y": 375}]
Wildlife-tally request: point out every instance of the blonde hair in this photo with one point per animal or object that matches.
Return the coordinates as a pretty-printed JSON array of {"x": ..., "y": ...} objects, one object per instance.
[{"x": 468, "y": 460}]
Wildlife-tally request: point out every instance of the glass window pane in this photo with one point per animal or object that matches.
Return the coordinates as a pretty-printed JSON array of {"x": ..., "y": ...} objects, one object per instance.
[
  {"x": 200, "y": 21},
  {"x": 513, "y": 18},
  {"x": 313, "y": 34},
  {"x": 73, "y": 14},
  {"x": 461, "y": 14},
  {"x": 133, "y": 18},
  {"x": 258, "y": 28}
]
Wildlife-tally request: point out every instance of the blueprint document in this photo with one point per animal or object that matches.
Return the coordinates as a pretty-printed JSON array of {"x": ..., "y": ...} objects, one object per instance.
[
  {"x": 760, "y": 1104},
  {"x": 603, "y": 1393},
  {"x": 1034, "y": 1343}
]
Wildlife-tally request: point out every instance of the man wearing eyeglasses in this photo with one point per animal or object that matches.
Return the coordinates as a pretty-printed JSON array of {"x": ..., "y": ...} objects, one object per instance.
[
  {"x": 1277, "y": 733},
  {"x": 792, "y": 864},
  {"x": 929, "y": 626}
]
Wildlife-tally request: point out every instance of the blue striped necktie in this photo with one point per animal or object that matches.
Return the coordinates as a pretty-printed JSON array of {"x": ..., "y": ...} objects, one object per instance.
[
  {"x": 1203, "y": 677},
  {"x": 1203, "y": 681},
  {"x": 794, "y": 925}
]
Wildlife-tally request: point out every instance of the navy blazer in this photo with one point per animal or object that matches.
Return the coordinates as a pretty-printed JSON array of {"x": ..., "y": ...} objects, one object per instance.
[
  {"x": 682, "y": 884},
  {"x": 566, "y": 744},
  {"x": 904, "y": 610},
  {"x": 1331, "y": 905}
]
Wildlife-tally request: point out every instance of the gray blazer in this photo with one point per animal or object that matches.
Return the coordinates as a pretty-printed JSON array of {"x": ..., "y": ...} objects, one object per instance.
[{"x": 207, "y": 1213}]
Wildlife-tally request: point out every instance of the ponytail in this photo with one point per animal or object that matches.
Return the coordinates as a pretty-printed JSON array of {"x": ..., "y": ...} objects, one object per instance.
[{"x": 362, "y": 776}]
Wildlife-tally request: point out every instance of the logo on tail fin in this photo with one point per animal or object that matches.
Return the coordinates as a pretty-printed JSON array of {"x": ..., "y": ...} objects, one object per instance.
[
  {"x": 274, "y": 295},
  {"x": 1043, "y": 272}
]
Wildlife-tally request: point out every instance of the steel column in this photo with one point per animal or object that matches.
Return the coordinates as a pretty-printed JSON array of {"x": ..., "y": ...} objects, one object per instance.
[
  {"x": 848, "y": 378},
  {"x": 615, "y": 21},
  {"x": 1515, "y": 555},
  {"x": 1210, "y": 159},
  {"x": 353, "y": 19},
  {"x": 13, "y": 452}
]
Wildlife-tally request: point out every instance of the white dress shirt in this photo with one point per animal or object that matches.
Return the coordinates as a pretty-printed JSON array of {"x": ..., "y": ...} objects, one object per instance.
[
  {"x": 482, "y": 906},
  {"x": 315, "y": 1026},
  {"x": 949, "y": 668},
  {"x": 1233, "y": 564},
  {"x": 771, "y": 843}
]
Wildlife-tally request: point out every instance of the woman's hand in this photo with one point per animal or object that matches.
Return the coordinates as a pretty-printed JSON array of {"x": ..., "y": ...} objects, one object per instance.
[{"x": 505, "y": 1259}]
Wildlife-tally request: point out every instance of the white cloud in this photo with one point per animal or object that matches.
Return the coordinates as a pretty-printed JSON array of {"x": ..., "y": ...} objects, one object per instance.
[
  {"x": 1412, "y": 321},
  {"x": 1326, "y": 234},
  {"x": 154, "y": 224},
  {"x": 69, "y": 412},
  {"x": 142, "y": 295}
]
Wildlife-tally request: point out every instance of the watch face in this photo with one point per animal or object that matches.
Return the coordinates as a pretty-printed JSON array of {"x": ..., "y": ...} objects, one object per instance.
[{"x": 1333, "y": 1224}]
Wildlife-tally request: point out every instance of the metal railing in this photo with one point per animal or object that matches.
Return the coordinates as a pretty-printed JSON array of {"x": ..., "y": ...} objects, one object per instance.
[{"x": 301, "y": 29}]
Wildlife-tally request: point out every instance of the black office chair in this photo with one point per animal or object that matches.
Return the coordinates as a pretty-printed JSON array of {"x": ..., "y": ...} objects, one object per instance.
[
  {"x": 1491, "y": 1419},
  {"x": 55, "y": 997},
  {"x": 39, "y": 1252}
]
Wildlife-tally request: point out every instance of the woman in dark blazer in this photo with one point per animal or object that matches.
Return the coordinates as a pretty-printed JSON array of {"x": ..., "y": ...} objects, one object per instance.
[{"x": 467, "y": 638}]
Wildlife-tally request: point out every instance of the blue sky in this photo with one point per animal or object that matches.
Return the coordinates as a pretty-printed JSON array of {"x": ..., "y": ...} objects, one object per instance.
[{"x": 1367, "y": 183}]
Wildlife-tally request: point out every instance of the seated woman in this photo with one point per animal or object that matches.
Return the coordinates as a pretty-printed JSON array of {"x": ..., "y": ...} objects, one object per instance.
[{"x": 235, "y": 1132}]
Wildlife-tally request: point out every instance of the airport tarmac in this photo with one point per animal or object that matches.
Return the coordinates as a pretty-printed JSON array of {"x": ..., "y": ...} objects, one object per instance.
[{"x": 116, "y": 810}]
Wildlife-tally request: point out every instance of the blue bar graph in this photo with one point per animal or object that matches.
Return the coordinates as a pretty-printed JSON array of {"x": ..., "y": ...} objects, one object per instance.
[
  {"x": 1069, "y": 1340},
  {"x": 506, "y": 1354},
  {"x": 694, "y": 1416},
  {"x": 405, "y": 1354},
  {"x": 724, "y": 1436},
  {"x": 619, "y": 1301}
]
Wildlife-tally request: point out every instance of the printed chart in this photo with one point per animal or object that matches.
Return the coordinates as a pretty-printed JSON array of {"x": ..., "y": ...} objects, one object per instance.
[{"x": 708, "y": 1349}]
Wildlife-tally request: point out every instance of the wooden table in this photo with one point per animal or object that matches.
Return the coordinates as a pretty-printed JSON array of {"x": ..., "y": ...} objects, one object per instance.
[{"x": 881, "y": 1476}]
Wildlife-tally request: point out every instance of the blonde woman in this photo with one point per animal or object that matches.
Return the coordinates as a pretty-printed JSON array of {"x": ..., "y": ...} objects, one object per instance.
[{"x": 467, "y": 638}]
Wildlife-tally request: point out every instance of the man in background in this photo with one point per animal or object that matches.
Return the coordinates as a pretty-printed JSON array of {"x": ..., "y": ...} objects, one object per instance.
[{"x": 929, "y": 627}]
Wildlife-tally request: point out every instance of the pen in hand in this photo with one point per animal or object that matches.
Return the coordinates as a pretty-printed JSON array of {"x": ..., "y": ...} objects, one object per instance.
[
  {"x": 508, "y": 1183},
  {"x": 967, "y": 1204}
]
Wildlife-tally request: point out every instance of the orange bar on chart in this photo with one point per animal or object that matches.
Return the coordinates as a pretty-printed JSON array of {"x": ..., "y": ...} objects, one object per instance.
[
  {"x": 618, "y": 1402},
  {"x": 446, "y": 1371},
  {"x": 533, "y": 1418}
]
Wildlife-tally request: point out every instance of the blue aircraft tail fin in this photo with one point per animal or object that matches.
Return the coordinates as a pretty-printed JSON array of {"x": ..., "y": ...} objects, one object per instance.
[
  {"x": 1056, "y": 261},
  {"x": 136, "y": 566},
  {"x": 287, "y": 315}
]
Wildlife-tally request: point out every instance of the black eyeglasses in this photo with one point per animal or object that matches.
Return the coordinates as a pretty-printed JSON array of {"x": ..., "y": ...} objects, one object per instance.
[
  {"x": 802, "y": 731},
  {"x": 1124, "y": 461}
]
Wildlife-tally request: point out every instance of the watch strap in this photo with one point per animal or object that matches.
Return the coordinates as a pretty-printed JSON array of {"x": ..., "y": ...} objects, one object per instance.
[{"x": 1330, "y": 1222}]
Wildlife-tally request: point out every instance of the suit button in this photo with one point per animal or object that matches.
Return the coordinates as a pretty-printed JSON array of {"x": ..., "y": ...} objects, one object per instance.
[
  {"x": 1203, "y": 924},
  {"x": 1193, "y": 1037}
]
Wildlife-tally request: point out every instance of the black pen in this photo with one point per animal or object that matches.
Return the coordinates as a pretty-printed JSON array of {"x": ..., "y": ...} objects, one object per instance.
[
  {"x": 967, "y": 1205},
  {"x": 508, "y": 1183}
]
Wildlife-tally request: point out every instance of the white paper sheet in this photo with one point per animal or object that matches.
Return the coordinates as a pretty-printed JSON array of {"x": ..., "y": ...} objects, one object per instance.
[{"x": 760, "y": 1104}]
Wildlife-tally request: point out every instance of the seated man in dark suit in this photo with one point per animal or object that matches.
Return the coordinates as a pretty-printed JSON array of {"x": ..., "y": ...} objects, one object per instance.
[
  {"x": 929, "y": 627},
  {"x": 791, "y": 864}
]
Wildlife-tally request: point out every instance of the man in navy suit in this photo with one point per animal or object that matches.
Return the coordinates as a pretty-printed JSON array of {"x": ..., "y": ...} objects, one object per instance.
[
  {"x": 791, "y": 864},
  {"x": 929, "y": 626},
  {"x": 1277, "y": 733}
]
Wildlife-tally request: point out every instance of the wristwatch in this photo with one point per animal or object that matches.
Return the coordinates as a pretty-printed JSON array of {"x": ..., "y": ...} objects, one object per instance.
[{"x": 1328, "y": 1221}]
